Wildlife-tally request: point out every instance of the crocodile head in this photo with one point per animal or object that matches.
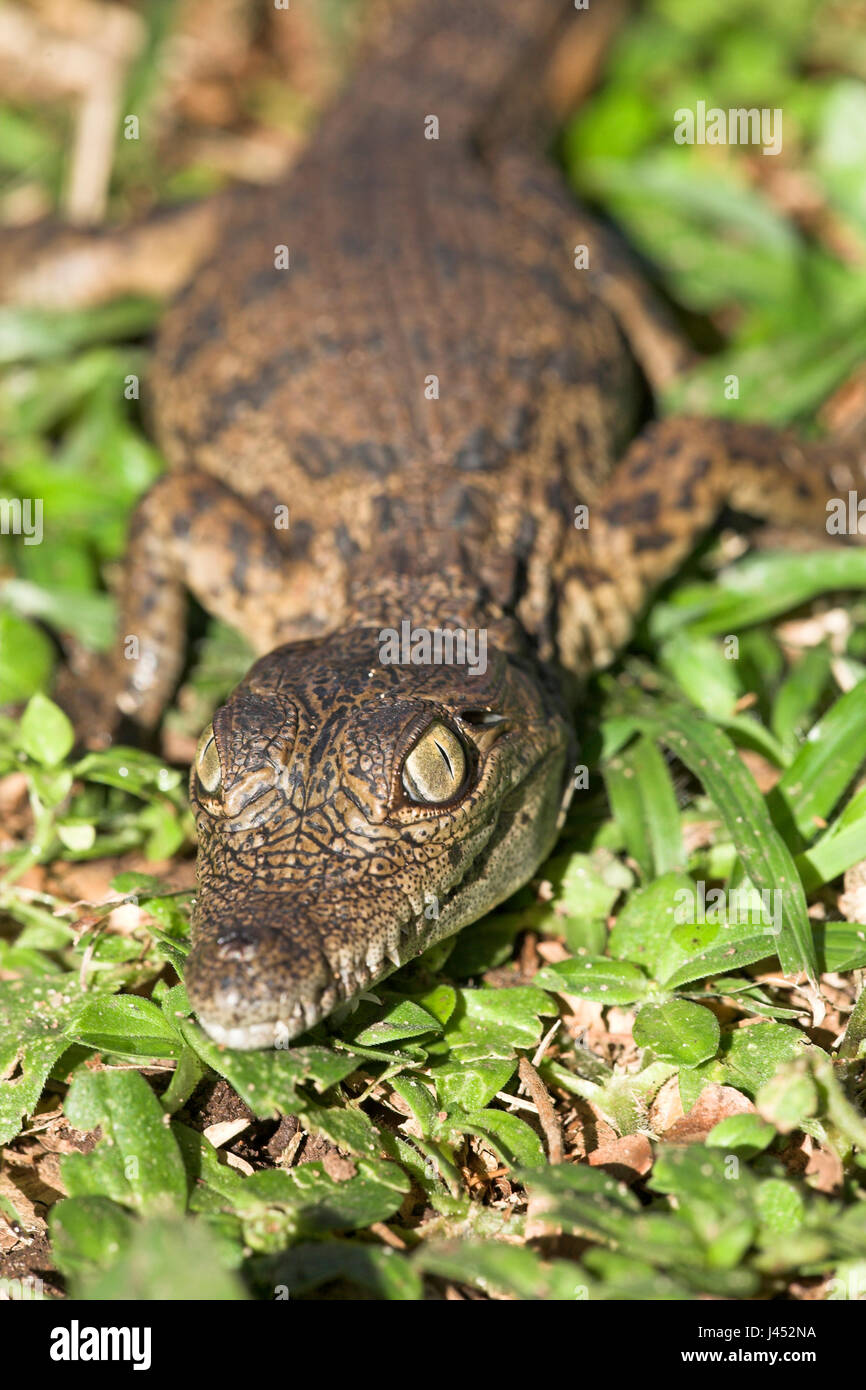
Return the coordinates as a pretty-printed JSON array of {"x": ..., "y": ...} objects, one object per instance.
[{"x": 350, "y": 814}]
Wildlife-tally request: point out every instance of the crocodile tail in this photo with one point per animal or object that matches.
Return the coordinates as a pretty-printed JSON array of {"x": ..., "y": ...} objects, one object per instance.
[{"x": 471, "y": 64}]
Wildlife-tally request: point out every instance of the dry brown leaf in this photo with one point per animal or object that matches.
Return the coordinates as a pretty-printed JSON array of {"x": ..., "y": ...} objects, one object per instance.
[
  {"x": 225, "y": 1130},
  {"x": 628, "y": 1158},
  {"x": 337, "y": 1167},
  {"x": 587, "y": 1131},
  {"x": 553, "y": 952},
  {"x": 763, "y": 771},
  {"x": 852, "y": 902},
  {"x": 715, "y": 1103},
  {"x": 824, "y": 1170}
]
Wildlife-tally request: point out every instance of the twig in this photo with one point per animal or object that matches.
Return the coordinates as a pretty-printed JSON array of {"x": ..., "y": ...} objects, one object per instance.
[
  {"x": 387, "y": 1236},
  {"x": 545, "y": 1042},
  {"x": 546, "y": 1114},
  {"x": 516, "y": 1102}
]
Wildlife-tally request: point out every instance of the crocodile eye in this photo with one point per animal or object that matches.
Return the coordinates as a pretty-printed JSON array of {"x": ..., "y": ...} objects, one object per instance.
[
  {"x": 207, "y": 761},
  {"x": 435, "y": 770}
]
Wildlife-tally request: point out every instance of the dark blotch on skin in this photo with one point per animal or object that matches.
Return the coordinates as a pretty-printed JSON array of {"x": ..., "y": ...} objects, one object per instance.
[
  {"x": 203, "y": 329},
  {"x": 239, "y": 545},
  {"x": 646, "y": 507},
  {"x": 347, "y": 547},
  {"x": 301, "y": 535},
  {"x": 652, "y": 540},
  {"x": 481, "y": 453}
]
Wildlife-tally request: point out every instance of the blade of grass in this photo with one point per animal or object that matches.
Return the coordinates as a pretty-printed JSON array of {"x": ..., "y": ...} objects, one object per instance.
[
  {"x": 844, "y": 844},
  {"x": 644, "y": 804},
  {"x": 827, "y": 762},
  {"x": 798, "y": 695},
  {"x": 28, "y": 334},
  {"x": 759, "y": 588},
  {"x": 711, "y": 756}
]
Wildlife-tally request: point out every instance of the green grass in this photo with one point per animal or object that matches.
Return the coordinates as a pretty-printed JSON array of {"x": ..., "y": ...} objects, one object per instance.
[{"x": 412, "y": 1103}]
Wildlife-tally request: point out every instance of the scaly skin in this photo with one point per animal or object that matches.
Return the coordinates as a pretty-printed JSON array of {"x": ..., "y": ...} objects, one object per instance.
[
  {"x": 318, "y": 875},
  {"x": 309, "y": 388}
]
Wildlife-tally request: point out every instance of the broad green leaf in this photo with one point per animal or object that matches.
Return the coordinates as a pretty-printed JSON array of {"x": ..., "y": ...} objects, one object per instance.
[
  {"x": 512, "y": 1138},
  {"x": 586, "y": 886},
  {"x": 780, "y": 1207},
  {"x": 142, "y": 1153},
  {"x": 348, "y": 1127},
  {"x": 45, "y": 733},
  {"x": 842, "y": 946},
  {"x": 789, "y": 1097},
  {"x": 26, "y": 658},
  {"x": 660, "y": 929},
  {"x": 489, "y": 1023},
  {"x": 267, "y": 1080},
  {"x": 316, "y": 1203},
  {"x": 88, "y": 1233},
  {"x": 419, "y": 1097},
  {"x": 131, "y": 770},
  {"x": 126, "y": 1025},
  {"x": 440, "y": 1001},
  {"x": 508, "y": 1269},
  {"x": 34, "y": 1017},
  {"x": 699, "y": 1179},
  {"x": 761, "y": 587},
  {"x": 27, "y": 334},
  {"x": 585, "y": 1201},
  {"x": 597, "y": 978},
  {"x": 401, "y": 1018},
  {"x": 830, "y": 856},
  {"x": 727, "y": 953},
  {"x": 472, "y": 1085},
  {"x": 383, "y": 1272},
  {"x": 752, "y": 1056},
  {"x": 702, "y": 671},
  {"x": 746, "y": 1134},
  {"x": 156, "y": 1266},
  {"x": 799, "y": 693},
  {"x": 643, "y": 931},
  {"x": 678, "y": 1032}
]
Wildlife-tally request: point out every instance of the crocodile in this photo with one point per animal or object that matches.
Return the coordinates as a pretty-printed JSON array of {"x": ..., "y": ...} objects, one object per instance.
[{"x": 403, "y": 396}]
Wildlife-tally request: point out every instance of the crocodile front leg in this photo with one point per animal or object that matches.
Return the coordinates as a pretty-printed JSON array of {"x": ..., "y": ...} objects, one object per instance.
[
  {"x": 54, "y": 267},
  {"x": 560, "y": 232},
  {"x": 191, "y": 534},
  {"x": 668, "y": 490}
]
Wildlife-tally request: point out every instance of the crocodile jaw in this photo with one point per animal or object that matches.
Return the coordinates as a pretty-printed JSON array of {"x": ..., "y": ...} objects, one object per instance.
[{"x": 522, "y": 837}]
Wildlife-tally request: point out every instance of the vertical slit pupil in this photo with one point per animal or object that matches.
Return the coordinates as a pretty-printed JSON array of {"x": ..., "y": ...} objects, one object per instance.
[{"x": 446, "y": 758}]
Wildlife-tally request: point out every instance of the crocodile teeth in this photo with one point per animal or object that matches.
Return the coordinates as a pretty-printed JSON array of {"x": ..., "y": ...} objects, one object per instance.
[
  {"x": 312, "y": 1012},
  {"x": 374, "y": 958}
]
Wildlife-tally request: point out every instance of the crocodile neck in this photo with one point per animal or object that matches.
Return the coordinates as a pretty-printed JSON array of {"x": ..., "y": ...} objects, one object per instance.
[
  {"x": 442, "y": 598},
  {"x": 471, "y": 63}
]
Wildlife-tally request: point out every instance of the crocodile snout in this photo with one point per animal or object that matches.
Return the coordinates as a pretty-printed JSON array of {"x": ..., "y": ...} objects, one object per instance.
[{"x": 262, "y": 980}]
